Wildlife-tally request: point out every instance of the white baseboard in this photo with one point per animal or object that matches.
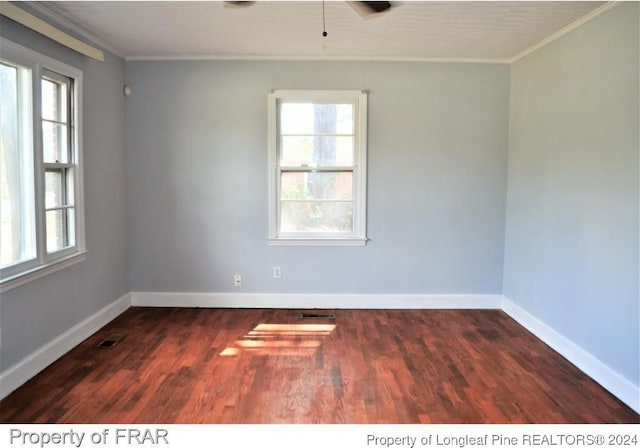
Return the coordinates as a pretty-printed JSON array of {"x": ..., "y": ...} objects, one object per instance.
[
  {"x": 312, "y": 301},
  {"x": 23, "y": 371},
  {"x": 608, "y": 378}
]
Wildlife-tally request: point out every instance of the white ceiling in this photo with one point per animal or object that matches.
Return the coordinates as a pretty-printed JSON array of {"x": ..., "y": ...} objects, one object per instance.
[{"x": 290, "y": 30}]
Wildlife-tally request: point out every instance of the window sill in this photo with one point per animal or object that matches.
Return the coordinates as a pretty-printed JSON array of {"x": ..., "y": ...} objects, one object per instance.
[
  {"x": 317, "y": 242},
  {"x": 41, "y": 271}
]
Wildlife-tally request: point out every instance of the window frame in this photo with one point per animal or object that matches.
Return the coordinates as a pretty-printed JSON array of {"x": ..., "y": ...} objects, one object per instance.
[
  {"x": 45, "y": 263},
  {"x": 359, "y": 169}
]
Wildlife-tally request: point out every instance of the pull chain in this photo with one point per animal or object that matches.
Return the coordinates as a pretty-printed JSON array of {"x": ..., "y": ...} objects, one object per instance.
[{"x": 324, "y": 27}]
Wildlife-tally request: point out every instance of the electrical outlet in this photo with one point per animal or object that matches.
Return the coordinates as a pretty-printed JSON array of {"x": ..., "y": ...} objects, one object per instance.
[
  {"x": 277, "y": 273},
  {"x": 237, "y": 280}
]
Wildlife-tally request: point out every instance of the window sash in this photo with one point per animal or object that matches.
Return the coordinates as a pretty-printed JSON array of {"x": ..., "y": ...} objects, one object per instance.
[
  {"x": 24, "y": 159},
  {"x": 64, "y": 120},
  {"x": 64, "y": 207}
]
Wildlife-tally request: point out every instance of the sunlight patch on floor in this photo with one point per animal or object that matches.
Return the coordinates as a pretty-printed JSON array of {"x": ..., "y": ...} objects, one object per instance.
[{"x": 281, "y": 339}]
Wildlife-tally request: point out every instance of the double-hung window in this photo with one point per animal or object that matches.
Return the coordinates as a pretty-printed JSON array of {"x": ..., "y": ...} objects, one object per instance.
[
  {"x": 317, "y": 167},
  {"x": 41, "y": 213},
  {"x": 58, "y": 160}
]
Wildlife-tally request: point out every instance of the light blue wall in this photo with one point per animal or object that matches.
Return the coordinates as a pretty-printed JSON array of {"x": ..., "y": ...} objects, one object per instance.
[
  {"x": 34, "y": 314},
  {"x": 197, "y": 173},
  {"x": 571, "y": 254}
]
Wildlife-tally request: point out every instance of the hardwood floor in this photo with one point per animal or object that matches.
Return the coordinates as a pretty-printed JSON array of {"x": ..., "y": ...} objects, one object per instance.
[{"x": 268, "y": 366}]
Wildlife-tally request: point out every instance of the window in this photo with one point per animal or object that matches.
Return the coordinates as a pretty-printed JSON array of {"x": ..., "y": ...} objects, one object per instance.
[
  {"x": 317, "y": 167},
  {"x": 41, "y": 219},
  {"x": 57, "y": 154}
]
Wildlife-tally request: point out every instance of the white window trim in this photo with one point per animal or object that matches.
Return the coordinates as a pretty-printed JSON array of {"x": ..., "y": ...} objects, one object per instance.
[
  {"x": 358, "y": 237},
  {"x": 45, "y": 264}
]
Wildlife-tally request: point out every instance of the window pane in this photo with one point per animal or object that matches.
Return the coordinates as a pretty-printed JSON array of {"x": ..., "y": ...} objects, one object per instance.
[
  {"x": 55, "y": 230},
  {"x": 317, "y": 185},
  {"x": 54, "y": 192},
  {"x": 54, "y": 142},
  {"x": 316, "y": 151},
  {"x": 322, "y": 119},
  {"x": 54, "y": 101},
  {"x": 61, "y": 229},
  {"x": 71, "y": 227},
  {"x": 301, "y": 216},
  {"x": 17, "y": 225},
  {"x": 49, "y": 100},
  {"x": 70, "y": 187}
]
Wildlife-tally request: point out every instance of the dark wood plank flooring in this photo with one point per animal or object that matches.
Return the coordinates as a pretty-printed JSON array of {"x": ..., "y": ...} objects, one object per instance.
[{"x": 267, "y": 366}]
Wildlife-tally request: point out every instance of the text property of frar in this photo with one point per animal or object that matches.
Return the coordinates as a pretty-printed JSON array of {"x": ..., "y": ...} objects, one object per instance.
[{"x": 118, "y": 436}]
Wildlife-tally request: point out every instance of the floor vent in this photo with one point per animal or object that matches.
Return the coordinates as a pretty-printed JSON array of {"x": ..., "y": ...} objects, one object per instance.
[
  {"x": 317, "y": 316},
  {"x": 111, "y": 341}
]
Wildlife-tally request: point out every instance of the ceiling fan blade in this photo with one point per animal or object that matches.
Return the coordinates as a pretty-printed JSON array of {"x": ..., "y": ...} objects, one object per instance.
[
  {"x": 370, "y": 9},
  {"x": 376, "y": 7},
  {"x": 238, "y": 4}
]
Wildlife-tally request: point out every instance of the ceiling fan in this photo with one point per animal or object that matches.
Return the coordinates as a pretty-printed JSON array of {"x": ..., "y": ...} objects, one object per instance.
[{"x": 366, "y": 9}]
